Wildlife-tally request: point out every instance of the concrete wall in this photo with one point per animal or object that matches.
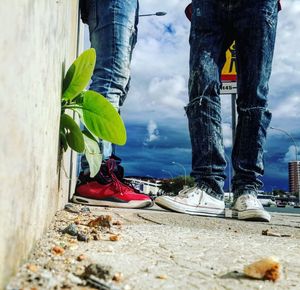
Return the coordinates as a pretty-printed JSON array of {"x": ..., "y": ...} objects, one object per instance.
[{"x": 38, "y": 42}]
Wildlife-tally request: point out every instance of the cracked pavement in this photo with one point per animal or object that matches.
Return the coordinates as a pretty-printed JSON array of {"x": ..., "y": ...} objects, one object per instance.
[{"x": 165, "y": 250}]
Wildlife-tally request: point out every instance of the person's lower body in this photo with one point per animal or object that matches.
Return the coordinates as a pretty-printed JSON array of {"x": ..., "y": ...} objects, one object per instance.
[
  {"x": 215, "y": 24},
  {"x": 113, "y": 34}
]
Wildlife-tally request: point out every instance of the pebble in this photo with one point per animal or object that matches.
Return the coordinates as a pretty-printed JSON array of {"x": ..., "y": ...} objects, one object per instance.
[
  {"x": 71, "y": 229},
  {"x": 114, "y": 238},
  {"x": 71, "y": 208},
  {"x": 82, "y": 238},
  {"x": 118, "y": 277},
  {"x": 32, "y": 267},
  {"x": 100, "y": 271},
  {"x": 85, "y": 209},
  {"x": 57, "y": 250},
  {"x": 81, "y": 257}
]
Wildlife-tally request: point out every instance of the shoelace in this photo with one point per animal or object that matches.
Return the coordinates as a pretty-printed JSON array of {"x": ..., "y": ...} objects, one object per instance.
[
  {"x": 111, "y": 164},
  {"x": 186, "y": 192}
]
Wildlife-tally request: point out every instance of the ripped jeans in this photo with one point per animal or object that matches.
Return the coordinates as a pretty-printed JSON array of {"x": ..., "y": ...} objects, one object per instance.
[{"x": 215, "y": 24}]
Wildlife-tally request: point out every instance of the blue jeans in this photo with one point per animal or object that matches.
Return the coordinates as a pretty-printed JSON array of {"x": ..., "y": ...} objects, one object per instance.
[
  {"x": 113, "y": 34},
  {"x": 215, "y": 24}
]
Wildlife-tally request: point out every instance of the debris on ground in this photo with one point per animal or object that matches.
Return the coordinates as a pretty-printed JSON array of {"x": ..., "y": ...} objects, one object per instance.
[
  {"x": 71, "y": 208},
  {"x": 97, "y": 270},
  {"x": 71, "y": 229},
  {"x": 32, "y": 267},
  {"x": 101, "y": 221},
  {"x": 60, "y": 261},
  {"x": 162, "y": 277},
  {"x": 274, "y": 234},
  {"x": 118, "y": 277},
  {"x": 82, "y": 237},
  {"x": 100, "y": 284},
  {"x": 85, "y": 209},
  {"x": 268, "y": 269},
  {"x": 56, "y": 250},
  {"x": 81, "y": 257},
  {"x": 114, "y": 238}
]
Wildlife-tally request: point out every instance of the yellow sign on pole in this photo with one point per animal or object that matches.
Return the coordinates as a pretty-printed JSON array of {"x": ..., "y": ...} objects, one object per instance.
[{"x": 229, "y": 69}]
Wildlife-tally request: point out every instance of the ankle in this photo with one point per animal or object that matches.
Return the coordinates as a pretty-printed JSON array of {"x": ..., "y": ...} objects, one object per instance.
[{"x": 211, "y": 192}]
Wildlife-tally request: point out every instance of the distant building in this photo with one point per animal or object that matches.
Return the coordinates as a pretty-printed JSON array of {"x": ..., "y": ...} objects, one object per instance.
[
  {"x": 294, "y": 176},
  {"x": 145, "y": 185}
]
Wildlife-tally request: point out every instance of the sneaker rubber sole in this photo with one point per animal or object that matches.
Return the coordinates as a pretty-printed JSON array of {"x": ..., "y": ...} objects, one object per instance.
[
  {"x": 259, "y": 215},
  {"x": 99, "y": 202},
  {"x": 170, "y": 204}
]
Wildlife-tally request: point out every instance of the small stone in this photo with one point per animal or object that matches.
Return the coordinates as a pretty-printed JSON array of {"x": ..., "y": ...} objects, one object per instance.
[
  {"x": 96, "y": 237},
  {"x": 71, "y": 208},
  {"x": 100, "y": 271},
  {"x": 114, "y": 238},
  {"x": 85, "y": 209},
  {"x": 162, "y": 277},
  {"x": 82, "y": 238},
  {"x": 57, "y": 250},
  {"x": 71, "y": 229},
  {"x": 117, "y": 223},
  {"x": 101, "y": 221},
  {"x": 32, "y": 268},
  {"x": 118, "y": 277},
  {"x": 81, "y": 257}
]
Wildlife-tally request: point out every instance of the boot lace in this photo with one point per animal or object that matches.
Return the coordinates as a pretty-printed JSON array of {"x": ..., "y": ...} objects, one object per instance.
[
  {"x": 120, "y": 187},
  {"x": 185, "y": 193}
]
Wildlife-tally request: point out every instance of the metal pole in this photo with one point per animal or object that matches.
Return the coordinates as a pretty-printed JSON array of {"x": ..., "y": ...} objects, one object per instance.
[
  {"x": 233, "y": 120},
  {"x": 293, "y": 140},
  {"x": 233, "y": 116},
  {"x": 166, "y": 171},
  {"x": 229, "y": 172}
]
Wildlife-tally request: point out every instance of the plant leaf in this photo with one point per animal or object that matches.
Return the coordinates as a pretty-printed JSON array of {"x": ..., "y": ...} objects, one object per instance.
[
  {"x": 102, "y": 119},
  {"x": 79, "y": 74},
  {"x": 80, "y": 113},
  {"x": 72, "y": 132},
  {"x": 92, "y": 153}
]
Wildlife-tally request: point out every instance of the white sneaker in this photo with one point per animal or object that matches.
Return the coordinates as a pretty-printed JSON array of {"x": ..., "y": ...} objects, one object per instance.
[
  {"x": 248, "y": 207},
  {"x": 194, "y": 201}
]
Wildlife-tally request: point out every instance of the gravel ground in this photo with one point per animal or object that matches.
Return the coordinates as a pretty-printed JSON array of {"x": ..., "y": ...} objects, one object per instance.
[{"x": 106, "y": 248}]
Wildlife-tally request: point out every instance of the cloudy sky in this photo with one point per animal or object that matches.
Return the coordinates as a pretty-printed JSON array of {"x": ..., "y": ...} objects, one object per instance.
[{"x": 154, "y": 109}]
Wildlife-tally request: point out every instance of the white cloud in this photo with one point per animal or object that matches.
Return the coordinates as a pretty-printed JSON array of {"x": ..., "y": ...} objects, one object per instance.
[
  {"x": 153, "y": 133},
  {"x": 227, "y": 135},
  {"x": 167, "y": 92},
  {"x": 288, "y": 109},
  {"x": 291, "y": 154},
  {"x": 285, "y": 80}
]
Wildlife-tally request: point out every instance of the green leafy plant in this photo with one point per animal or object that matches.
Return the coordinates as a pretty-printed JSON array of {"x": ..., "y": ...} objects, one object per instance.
[{"x": 97, "y": 114}]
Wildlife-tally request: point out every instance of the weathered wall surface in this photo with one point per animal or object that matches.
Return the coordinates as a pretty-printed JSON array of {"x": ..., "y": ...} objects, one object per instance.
[{"x": 38, "y": 43}]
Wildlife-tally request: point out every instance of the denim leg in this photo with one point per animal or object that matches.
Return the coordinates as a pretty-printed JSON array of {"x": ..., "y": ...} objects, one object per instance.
[
  {"x": 255, "y": 27},
  {"x": 113, "y": 34},
  {"x": 209, "y": 40}
]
